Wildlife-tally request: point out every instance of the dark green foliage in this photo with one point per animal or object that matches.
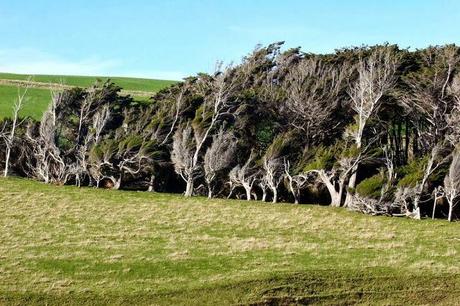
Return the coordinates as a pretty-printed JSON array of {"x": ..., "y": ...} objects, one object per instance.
[
  {"x": 412, "y": 173},
  {"x": 372, "y": 186}
]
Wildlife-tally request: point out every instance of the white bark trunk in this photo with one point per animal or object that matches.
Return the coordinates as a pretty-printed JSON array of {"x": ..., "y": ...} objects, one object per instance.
[
  {"x": 189, "y": 188},
  {"x": 275, "y": 195},
  {"x": 209, "y": 191},
  {"x": 7, "y": 160},
  {"x": 248, "y": 193}
]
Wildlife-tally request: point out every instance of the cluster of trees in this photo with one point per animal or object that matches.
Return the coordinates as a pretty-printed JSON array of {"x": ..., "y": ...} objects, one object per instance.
[{"x": 374, "y": 129}]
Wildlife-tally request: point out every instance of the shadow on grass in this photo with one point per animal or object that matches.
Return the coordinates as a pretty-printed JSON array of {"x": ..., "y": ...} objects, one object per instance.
[{"x": 313, "y": 288}]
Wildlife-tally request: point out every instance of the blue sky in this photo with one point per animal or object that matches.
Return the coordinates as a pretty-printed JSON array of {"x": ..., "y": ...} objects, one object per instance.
[{"x": 175, "y": 38}]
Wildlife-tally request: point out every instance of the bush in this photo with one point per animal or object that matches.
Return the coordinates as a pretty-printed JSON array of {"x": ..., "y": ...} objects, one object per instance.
[
  {"x": 371, "y": 187},
  {"x": 324, "y": 158},
  {"x": 412, "y": 173}
]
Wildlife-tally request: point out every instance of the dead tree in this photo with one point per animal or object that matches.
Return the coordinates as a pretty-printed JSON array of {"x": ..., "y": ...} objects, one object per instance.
[
  {"x": 295, "y": 182},
  {"x": 272, "y": 174},
  {"x": 313, "y": 91},
  {"x": 99, "y": 121},
  {"x": 9, "y": 137},
  {"x": 48, "y": 165},
  {"x": 215, "y": 106},
  {"x": 438, "y": 194},
  {"x": 452, "y": 184},
  {"x": 218, "y": 157},
  {"x": 376, "y": 77},
  {"x": 179, "y": 101},
  {"x": 182, "y": 156},
  {"x": 244, "y": 176},
  {"x": 453, "y": 119},
  {"x": 427, "y": 98},
  {"x": 433, "y": 163},
  {"x": 335, "y": 179}
]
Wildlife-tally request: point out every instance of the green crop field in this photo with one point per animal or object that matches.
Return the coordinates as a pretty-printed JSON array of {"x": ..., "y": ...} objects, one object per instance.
[
  {"x": 38, "y": 98},
  {"x": 60, "y": 245}
]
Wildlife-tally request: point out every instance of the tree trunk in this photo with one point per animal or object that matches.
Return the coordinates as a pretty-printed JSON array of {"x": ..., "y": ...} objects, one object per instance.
[
  {"x": 275, "y": 195},
  {"x": 351, "y": 185},
  {"x": 209, "y": 192},
  {"x": 264, "y": 195},
  {"x": 336, "y": 197},
  {"x": 151, "y": 184},
  {"x": 117, "y": 184},
  {"x": 248, "y": 193},
  {"x": 189, "y": 188},
  {"x": 449, "y": 217},
  {"x": 230, "y": 193},
  {"x": 7, "y": 160},
  {"x": 296, "y": 199}
]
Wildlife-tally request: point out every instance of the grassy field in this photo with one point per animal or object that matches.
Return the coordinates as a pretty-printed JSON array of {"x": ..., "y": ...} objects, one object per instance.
[
  {"x": 69, "y": 246},
  {"x": 39, "y": 97}
]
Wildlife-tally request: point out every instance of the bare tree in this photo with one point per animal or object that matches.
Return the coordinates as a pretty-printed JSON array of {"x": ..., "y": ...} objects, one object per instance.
[
  {"x": 438, "y": 194},
  {"x": 9, "y": 137},
  {"x": 218, "y": 157},
  {"x": 100, "y": 119},
  {"x": 215, "y": 106},
  {"x": 335, "y": 179},
  {"x": 313, "y": 90},
  {"x": 179, "y": 101},
  {"x": 244, "y": 176},
  {"x": 427, "y": 98},
  {"x": 263, "y": 186},
  {"x": 272, "y": 174},
  {"x": 376, "y": 77},
  {"x": 295, "y": 182},
  {"x": 452, "y": 184},
  {"x": 453, "y": 119},
  {"x": 434, "y": 162},
  {"x": 182, "y": 156}
]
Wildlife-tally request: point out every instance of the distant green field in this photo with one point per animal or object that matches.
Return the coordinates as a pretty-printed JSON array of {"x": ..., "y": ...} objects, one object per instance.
[
  {"x": 36, "y": 102},
  {"x": 85, "y": 81},
  {"x": 39, "y": 98},
  {"x": 61, "y": 245}
]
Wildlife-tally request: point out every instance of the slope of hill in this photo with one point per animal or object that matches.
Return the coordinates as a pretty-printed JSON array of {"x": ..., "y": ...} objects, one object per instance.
[
  {"x": 39, "y": 94},
  {"x": 70, "y": 246}
]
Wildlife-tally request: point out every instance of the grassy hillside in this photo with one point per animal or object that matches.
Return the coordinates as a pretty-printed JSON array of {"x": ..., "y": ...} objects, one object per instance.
[
  {"x": 36, "y": 102},
  {"x": 84, "y": 81},
  {"x": 39, "y": 96},
  {"x": 64, "y": 245}
]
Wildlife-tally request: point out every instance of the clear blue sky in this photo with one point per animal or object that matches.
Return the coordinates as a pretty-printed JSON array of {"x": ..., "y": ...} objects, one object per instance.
[{"x": 174, "y": 38}]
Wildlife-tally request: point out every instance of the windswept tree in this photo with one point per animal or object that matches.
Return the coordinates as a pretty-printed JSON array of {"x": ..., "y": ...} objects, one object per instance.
[
  {"x": 313, "y": 90},
  {"x": 244, "y": 176},
  {"x": 426, "y": 99},
  {"x": 218, "y": 157},
  {"x": 218, "y": 91},
  {"x": 431, "y": 105},
  {"x": 9, "y": 136},
  {"x": 272, "y": 173},
  {"x": 376, "y": 78},
  {"x": 452, "y": 184},
  {"x": 182, "y": 155},
  {"x": 46, "y": 162},
  {"x": 295, "y": 182}
]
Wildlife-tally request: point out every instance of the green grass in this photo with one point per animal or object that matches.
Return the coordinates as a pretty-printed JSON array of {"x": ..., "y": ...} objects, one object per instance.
[
  {"x": 39, "y": 98},
  {"x": 36, "y": 102},
  {"x": 68, "y": 246},
  {"x": 137, "y": 84}
]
